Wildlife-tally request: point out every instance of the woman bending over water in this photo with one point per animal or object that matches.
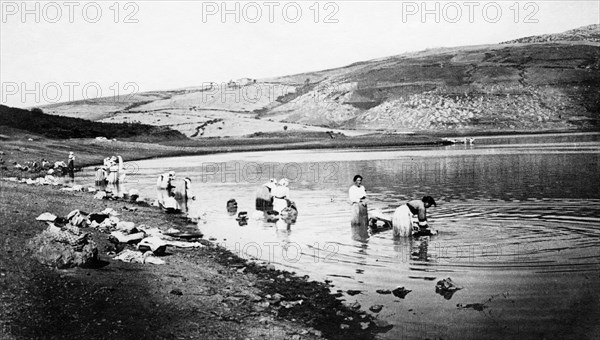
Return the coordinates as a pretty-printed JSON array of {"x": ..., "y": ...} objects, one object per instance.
[{"x": 402, "y": 221}]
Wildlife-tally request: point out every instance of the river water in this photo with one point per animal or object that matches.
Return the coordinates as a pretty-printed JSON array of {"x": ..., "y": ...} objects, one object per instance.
[{"x": 518, "y": 220}]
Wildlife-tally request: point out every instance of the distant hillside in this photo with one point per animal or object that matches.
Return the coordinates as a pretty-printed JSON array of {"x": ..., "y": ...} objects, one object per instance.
[
  {"x": 549, "y": 82},
  {"x": 531, "y": 86},
  {"x": 589, "y": 33},
  {"x": 58, "y": 127}
]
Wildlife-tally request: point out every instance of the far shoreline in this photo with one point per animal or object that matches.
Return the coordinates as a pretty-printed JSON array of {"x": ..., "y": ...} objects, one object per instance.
[
  {"x": 436, "y": 139},
  {"x": 22, "y": 147}
]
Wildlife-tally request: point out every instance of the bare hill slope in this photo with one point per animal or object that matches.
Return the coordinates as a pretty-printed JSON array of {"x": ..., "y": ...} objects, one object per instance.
[{"x": 535, "y": 83}]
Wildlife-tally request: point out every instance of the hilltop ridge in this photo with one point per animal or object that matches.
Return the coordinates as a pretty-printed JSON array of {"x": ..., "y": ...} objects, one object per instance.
[
  {"x": 590, "y": 33},
  {"x": 547, "y": 82}
]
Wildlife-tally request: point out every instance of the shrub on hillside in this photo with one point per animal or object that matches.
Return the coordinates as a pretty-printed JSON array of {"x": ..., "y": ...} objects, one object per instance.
[{"x": 58, "y": 127}]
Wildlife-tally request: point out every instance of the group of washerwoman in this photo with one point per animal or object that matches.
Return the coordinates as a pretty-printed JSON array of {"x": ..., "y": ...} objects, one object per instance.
[
  {"x": 111, "y": 172},
  {"x": 173, "y": 193}
]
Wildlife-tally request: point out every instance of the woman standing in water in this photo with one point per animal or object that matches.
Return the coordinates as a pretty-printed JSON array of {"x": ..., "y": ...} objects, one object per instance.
[{"x": 358, "y": 198}]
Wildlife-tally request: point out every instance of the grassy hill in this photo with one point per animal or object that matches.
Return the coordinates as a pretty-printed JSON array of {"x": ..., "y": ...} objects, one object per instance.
[
  {"x": 548, "y": 82},
  {"x": 58, "y": 127}
]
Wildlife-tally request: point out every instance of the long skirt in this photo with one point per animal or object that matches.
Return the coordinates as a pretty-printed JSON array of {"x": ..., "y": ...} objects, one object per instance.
[
  {"x": 163, "y": 182},
  {"x": 113, "y": 175},
  {"x": 179, "y": 192},
  {"x": 264, "y": 200},
  {"x": 179, "y": 188},
  {"x": 100, "y": 176},
  {"x": 402, "y": 221},
  {"x": 360, "y": 217}
]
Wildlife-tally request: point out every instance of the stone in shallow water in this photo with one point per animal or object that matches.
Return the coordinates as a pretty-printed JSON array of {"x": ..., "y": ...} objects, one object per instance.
[
  {"x": 400, "y": 292},
  {"x": 476, "y": 306},
  {"x": 379, "y": 323},
  {"x": 446, "y": 288},
  {"x": 376, "y": 308}
]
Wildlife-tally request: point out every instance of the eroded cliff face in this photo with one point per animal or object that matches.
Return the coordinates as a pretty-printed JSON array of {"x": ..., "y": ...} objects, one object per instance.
[{"x": 523, "y": 86}]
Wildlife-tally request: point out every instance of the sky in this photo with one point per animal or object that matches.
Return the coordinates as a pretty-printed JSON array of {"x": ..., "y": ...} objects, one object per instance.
[{"x": 58, "y": 51}]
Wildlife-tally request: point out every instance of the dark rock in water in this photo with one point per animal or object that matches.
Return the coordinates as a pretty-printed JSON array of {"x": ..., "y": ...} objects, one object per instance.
[
  {"x": 272, "y": 216},
  {"x": 446, "y": 288},
  {"x": 447, "y": 284},
  {"x": 377, "y": 225},
  {"x": 476, "y": 306},
  {"x": 242, "y": 218},
  {"x": 383, "y": 291},
  {"x": 355, "y": 305},
  {"x": 401, "y": 292},
  {"x": 382, "y": 325},
  {"x": 424, "y": 232},
  {"x": 376, "y": 308},
  {"x": 176, "y": 291},
  {"x": 232, "y": 207}
]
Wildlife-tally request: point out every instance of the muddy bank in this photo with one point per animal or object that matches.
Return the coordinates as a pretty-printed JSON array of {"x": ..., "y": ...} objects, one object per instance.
[{"x": 207, "y": 293}]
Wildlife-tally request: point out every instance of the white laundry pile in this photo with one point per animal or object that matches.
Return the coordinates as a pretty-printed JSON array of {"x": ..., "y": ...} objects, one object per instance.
[
  {"x": 48, "y": 180},
  {"x": 133, "y": 256},
  {"x": 46, "y": 217},
  {"x": 169, "y": 240}
]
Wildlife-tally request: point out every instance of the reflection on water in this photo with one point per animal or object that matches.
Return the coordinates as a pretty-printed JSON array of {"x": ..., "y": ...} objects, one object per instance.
[
  {"x": 517, "y": 218},
  {"x": 360, "y": 233}
]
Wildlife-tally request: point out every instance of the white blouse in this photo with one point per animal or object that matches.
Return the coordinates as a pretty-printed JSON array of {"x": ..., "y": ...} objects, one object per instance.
[{"x": 356, "y": 193}]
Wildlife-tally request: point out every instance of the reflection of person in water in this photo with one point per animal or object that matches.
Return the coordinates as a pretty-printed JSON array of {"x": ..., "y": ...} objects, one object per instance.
[
  {"x": 283, "y": 224},
  {"x": 180, "y": 190},
  {"x": 164, "y": 185},
  {"x": 412, "y": 249},
  {"x": 359, "y": 233},
  {"x": 115, "y": 188},
  {"x": 419, "y": 250},
  {"x": 358, "y": 198}
]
